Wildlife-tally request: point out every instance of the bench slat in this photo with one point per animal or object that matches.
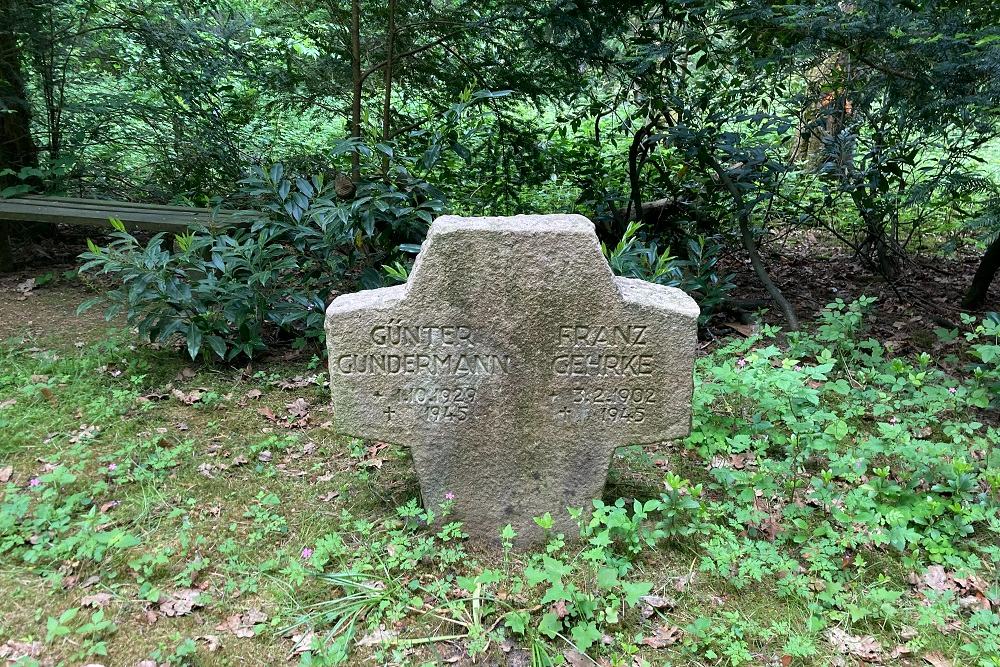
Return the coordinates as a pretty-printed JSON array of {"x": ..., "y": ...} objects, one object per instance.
[
  {"x": 96, "y": 212},
  {"x": 123, "y": 205}
]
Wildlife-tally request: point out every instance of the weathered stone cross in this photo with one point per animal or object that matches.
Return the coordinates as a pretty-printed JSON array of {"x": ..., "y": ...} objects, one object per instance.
[{"x": 513, "y": 363}]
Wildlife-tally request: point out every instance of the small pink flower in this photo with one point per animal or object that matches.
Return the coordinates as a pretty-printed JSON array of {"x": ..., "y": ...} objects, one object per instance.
[
  {"x": 893, "y": 420},
  {"x": 741, "y": 363},
  {"x": 797, "y": 367},
  {"x": 952, "y": 390},
  {"x": 35, "y": 482},
  {"x": 449, "y": 496},
  {"x": 307, "y": 553},
  {"x": 112, "y": 467}
]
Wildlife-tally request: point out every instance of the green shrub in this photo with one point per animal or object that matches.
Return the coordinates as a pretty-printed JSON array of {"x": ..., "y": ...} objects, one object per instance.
[
  {"x": 697, "y": 275},
  {"x": 233, "y": 292}
]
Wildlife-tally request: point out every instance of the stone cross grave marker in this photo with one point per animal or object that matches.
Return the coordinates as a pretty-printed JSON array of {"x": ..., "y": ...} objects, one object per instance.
[{"x": 513, "y": 363}]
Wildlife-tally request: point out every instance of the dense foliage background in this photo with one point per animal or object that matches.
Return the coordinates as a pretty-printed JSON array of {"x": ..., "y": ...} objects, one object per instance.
[
  {"x": 837, "y": 501},
  {"x": 716, "y": 126}
]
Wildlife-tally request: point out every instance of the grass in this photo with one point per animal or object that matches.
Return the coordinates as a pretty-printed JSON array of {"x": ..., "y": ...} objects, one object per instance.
[{"x": 277, "y": 531}]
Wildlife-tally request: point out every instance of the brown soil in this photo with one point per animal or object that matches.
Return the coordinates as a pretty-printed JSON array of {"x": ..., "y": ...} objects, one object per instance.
[{"x": 812, "y": 272}]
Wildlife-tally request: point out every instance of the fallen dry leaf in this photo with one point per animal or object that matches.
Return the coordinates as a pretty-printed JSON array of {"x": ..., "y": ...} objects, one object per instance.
[
  {"x": 937, "y": 659},
  {"x": 664, "y": 636},
  {"x": 866, "y": 648},
  {"x": 241, "y": 625},
  {"x": 180, "y": 603},
  {"x": 7, "y": 403},
  {"x": 6, "y": 473},
  {"x": 97, "y": 600},
  {"x": 745, "y": 330},
  {"x": 13, "y": 650},
  {"x": 576, "y": 659},
  {"x": 254, "y": 394}
]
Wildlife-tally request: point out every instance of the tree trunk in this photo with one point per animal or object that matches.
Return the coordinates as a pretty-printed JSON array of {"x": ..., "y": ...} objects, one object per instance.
[
  {"x": 390, "y": 42},
  {"x": 357, "y": 81},
  {"x": 6, "y": 256},
  {"x": 988, "y": 267},
  {"x": 17, "y": 147},
  {"x": 746, "y": 235}
]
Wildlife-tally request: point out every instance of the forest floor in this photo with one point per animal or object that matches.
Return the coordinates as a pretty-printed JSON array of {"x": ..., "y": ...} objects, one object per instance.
[{"x": 155, "y": 511}]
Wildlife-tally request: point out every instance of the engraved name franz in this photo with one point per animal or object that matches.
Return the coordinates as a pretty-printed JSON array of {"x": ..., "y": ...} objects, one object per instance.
[{"x": 590, "y": 335}]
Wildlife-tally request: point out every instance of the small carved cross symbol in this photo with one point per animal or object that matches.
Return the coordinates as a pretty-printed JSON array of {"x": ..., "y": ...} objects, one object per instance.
[
  {"x": 564, "y": 414},
  {"x": 388, "y": 413}
]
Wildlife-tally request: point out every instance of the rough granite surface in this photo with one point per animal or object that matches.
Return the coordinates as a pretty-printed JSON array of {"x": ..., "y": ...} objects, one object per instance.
[{"x": 513, "y": 363}]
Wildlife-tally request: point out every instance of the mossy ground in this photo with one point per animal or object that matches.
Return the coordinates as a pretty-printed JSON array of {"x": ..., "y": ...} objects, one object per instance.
[{"x": 225, "y": 488}]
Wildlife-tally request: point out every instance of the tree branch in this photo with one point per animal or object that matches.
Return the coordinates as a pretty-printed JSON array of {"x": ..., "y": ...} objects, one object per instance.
[{"x": 746, "y": 235}]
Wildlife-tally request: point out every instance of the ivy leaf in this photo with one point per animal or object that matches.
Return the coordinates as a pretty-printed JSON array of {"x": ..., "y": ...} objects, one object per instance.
[
  {"x": 517, "y": 621},
  {"x": 634, "y": 590},
  {"x": 585, "y": 635},
  {"x": 607, "y": 577},
  {"x": 549, "y": 625}
]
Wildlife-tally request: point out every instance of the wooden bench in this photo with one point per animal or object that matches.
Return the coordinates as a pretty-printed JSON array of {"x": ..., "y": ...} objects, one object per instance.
[{"x": 96, "y": 212}]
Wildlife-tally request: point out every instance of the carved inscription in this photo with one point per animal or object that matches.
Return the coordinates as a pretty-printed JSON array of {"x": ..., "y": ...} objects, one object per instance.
[
  {"x": 610, "y": 363},
  {"x": 438, "y": 366},
  {"x": 598, "y": 371}
]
